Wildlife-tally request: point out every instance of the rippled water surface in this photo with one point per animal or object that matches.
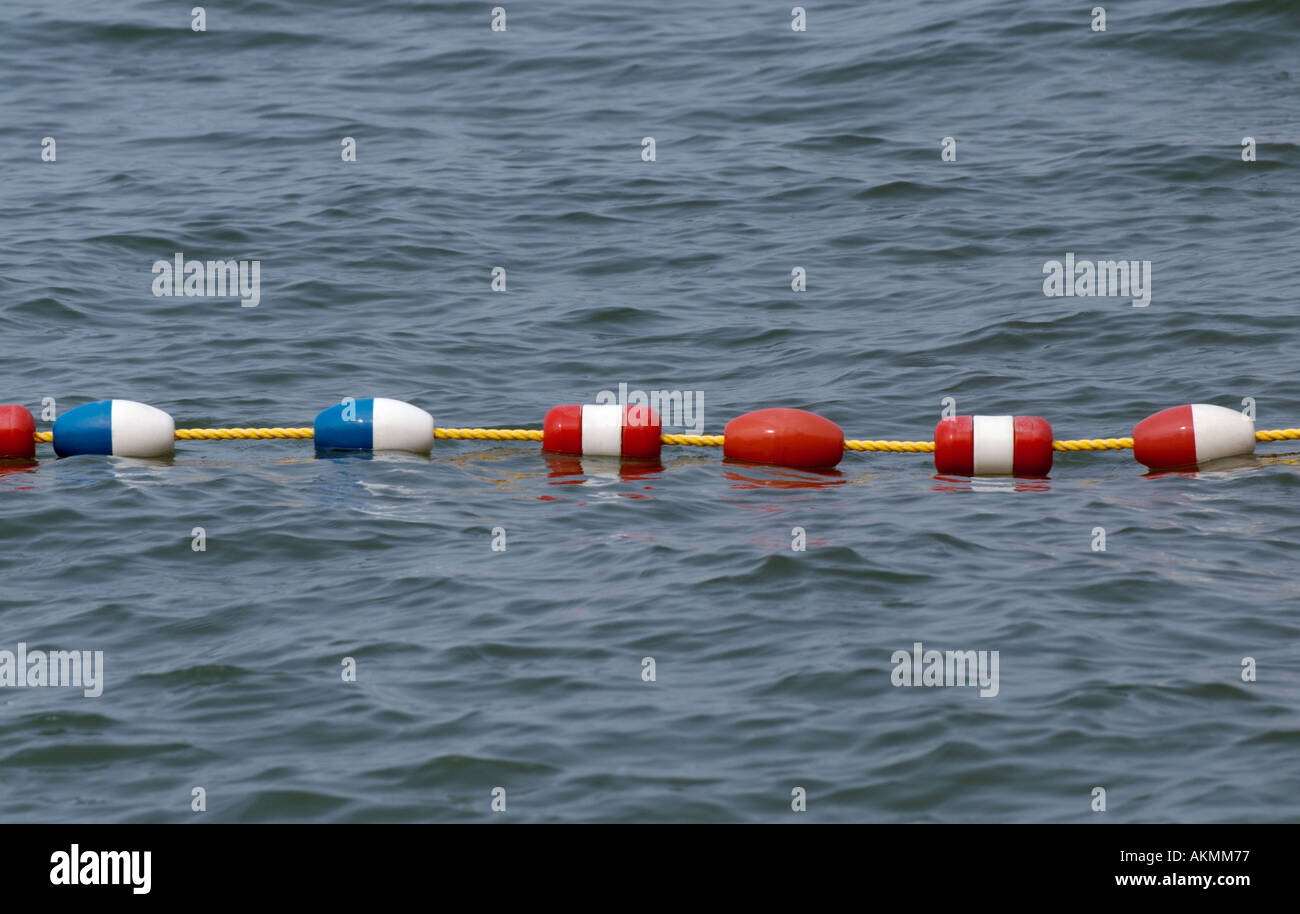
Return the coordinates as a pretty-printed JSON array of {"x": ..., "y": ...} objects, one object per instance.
[{"x": 775, "y": 149}]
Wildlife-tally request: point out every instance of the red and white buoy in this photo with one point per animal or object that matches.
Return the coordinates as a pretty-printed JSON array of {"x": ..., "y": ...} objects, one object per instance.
[
  {"x": 784, "y": 437},
  {"x": 993, "y": 446},
  {"x": 1183, "y": 437},
  {"x": 603, "y": 430},
  {"x": 17, "y": 431}
]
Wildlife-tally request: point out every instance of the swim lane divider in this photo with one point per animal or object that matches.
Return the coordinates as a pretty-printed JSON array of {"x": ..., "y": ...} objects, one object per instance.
[
  {"x": 1182, "y": 437},
  {"x": 883, "y": 445}
]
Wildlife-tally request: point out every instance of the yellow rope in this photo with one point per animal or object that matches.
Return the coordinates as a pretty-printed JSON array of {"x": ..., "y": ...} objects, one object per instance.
[
  {"x": 896, "y": 447},
  {"x": 693, "y": 440},
  {"x": 529, "y": 434},
  {"x": 227, "y": 434},
  {"x": 489, "y": 434},
  {"x": 1094, "y": 444}
]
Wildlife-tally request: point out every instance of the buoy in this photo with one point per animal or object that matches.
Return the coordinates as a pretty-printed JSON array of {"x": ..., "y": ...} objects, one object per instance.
[
  {"x": 603, "y": 430},
  {"x": 993, "y": 446},
  {"x": 1183, "y": 437},
  {"x": 374, "y": 424},
  {"x": 784, "y": 437},
  {"x": 17, "y": 428},
  {"x": 121, "y": 428}
]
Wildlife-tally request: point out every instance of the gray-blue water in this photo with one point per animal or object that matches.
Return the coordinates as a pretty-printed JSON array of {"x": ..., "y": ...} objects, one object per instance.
[{"x": 774, "y": 150}]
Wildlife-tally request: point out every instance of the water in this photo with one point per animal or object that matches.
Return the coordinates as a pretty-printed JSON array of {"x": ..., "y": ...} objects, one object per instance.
[{"x": 522, "y": 669}]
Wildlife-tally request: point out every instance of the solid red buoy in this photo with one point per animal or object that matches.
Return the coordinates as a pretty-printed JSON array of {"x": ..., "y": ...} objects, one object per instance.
[
  {"x": 1183, "y": 437},
  {"x": 993, "y": 446},
  {"x": 603, "y": 430},
  {"x": 785, "y": 437},
  {"x": 17, "y": 428}
]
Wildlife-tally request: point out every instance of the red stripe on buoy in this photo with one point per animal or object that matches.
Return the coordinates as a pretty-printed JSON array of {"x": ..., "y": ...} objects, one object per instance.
[
  {"x": 562, "y": 430},
  {"x": 1166, "y": 440},
  {"x": 641, "y": 433},
  {"x": 17, "y": 428},
  {"x": 954, "y": 446},
  {"x": 785, "y": 437},
  {"x": 1033, "y": 447}
]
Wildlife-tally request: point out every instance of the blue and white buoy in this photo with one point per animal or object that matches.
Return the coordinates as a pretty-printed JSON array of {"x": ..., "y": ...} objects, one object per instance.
[
  {"x": 120, "y": 428},
  {"x": 374, "y": 424}
]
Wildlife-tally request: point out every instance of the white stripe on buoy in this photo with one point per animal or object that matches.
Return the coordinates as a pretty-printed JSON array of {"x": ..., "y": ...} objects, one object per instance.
[
  {"x": 140, "y": 430},
  {"x": 400, "y": 426},
  {"x": 1221, "y": 432},
  {"x": 602, "y": 429},
  {"x": 995, "y": 445}
]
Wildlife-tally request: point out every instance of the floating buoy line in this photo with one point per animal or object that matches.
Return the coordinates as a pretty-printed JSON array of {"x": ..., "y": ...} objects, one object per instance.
[{"x": 1182, "y": 437}]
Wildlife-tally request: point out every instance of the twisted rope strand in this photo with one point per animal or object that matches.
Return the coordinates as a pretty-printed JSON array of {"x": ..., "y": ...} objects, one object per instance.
[
  {"x": 693, "y": 440},
  {"x": 893, "y": 447},
  {"x": 489, "y": 434},
  {"x": 1094, "y": 444},
  {"x": 227, "y": 434}
]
